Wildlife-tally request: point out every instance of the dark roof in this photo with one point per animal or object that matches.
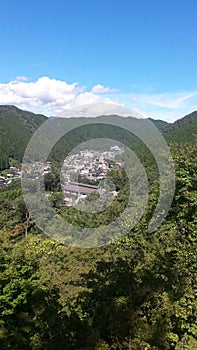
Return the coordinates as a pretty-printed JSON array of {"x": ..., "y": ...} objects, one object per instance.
[
  {"x": 80, "y": 188},
  {"x": 81, "y": 184}
]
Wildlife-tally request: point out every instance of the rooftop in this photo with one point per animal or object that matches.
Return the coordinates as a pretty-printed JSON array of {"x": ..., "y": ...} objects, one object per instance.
[{"x": 80, "y": 188}]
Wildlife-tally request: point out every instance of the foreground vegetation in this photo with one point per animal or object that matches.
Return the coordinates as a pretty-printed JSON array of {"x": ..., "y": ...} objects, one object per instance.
[{"x": 138, "y": 293}]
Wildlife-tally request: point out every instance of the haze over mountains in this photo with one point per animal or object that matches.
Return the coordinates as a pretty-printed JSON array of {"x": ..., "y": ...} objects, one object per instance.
[{"x": 17, "y": 127}]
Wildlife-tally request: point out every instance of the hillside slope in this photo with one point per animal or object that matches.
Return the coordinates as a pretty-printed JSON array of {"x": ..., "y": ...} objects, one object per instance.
[
  {"x": 16, "y": 128},
  {"x": 183, "y": 130}
]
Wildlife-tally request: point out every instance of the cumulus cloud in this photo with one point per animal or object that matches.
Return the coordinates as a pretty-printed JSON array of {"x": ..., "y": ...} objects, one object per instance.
[
  {"x": 96, "y": 109},
  {"x": 46, "y": 95},
  {"x": 53, "y": 97}
]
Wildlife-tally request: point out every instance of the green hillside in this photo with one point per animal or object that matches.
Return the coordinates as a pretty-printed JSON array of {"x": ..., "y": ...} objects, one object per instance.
[
  {"x": 137, "y": 293},
  {"x": 183, "y": 130},
  {"x": 91, "y": 131},
  {"x": 16, "y": 128}
]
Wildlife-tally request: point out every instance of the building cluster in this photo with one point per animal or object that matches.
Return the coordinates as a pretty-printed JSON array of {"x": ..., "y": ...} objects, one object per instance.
[
  {"x": 36, "y": 169},
  {"x": 88, "y": 165},
  {"x": 92, "y": 165},
  {"x": 8, "y": 175}
]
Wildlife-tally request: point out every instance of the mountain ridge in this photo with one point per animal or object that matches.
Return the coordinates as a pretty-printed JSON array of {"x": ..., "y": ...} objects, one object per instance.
[
  {"x": 17, "y": 126},
  {"x": 182, "y": 130}
]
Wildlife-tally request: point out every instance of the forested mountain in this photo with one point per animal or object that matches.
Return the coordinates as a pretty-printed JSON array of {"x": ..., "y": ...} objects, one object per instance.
[
  {"x": 16, "y": 128},
  {"x": 183, "y": 130},
  {"x": 138, "y": 293}
]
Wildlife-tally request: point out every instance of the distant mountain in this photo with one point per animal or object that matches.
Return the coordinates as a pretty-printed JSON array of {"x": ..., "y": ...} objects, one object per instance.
[
  {"x": 183, "y": 130},
  {"x": 97, "y": 128},
  {"x": 16, "y": 128},
  {"x": 160, "y": 124}
]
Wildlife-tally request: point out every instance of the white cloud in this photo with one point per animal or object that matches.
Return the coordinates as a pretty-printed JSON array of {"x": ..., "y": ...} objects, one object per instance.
[
  {"x": 46, "y": 95},
  {"x": 86, "y": 97},
  {"x": 53, "y": 97},
  {"x": 166, "y": 106},
  {"x": 21, "y": 78},
  {"x": 166, "y": 100},
  {"x": 96, "y": 109},
  {"x": 100, "y": 89}
]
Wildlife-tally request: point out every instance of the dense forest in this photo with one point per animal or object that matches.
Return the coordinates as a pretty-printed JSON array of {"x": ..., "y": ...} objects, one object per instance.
[
  {"x": 137, "y": 293},
  {"x": 17, "y": 127}
]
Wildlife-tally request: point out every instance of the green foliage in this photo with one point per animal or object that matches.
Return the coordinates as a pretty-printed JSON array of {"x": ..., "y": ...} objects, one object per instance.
[
  {"x": 16, "y": 128},
  {"x": 139, "y": 293},
  {"x": 183, "y": 130}
]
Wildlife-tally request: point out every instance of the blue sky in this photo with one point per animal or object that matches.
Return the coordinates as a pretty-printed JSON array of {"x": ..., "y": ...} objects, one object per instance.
[{"x": 58, "y": 54}]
